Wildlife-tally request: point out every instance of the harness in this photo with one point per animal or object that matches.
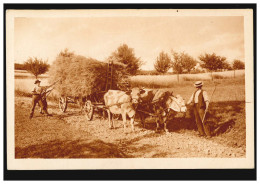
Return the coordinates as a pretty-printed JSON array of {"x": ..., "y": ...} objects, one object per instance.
[
  {"x": 164, "y": 109},
  {"x": 153, "y": 102},
  {"x": 147, "y": 113}
]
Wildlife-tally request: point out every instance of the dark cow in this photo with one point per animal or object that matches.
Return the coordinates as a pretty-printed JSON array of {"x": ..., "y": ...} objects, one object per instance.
[
  {"x": 120, "y": 102},
  {"x": 159, "y": 103}
]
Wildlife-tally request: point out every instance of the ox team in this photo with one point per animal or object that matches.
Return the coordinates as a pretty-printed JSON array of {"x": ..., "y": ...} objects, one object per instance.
[
  {"x": 125, "y": 103},
  {"x": 159, "y": 102}
]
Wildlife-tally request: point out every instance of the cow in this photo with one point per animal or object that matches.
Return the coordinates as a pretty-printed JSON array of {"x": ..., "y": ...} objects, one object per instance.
[
  {"x": 124, "y": 103},
  {"x": 159, "y": 103}
]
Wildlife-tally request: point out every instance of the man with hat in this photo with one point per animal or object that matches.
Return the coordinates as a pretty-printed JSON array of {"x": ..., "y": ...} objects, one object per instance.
[
  {"x": 37, "y": 92},
  {"x": 200, "y": 102}
]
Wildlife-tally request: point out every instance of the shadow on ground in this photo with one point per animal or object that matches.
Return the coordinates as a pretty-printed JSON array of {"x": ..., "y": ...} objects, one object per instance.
[
  {"x": 123, "y": 148},
  {"x": 70, "y": 149},
  {"x": 220, "y": 118}
]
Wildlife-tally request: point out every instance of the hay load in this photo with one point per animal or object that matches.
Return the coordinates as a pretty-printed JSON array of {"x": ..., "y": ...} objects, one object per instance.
[{"x": 81, "y": 76}]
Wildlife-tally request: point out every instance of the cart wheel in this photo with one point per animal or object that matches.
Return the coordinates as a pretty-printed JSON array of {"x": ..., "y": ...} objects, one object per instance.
[
  {"x": 63, "y": 103},
  {"x": 89, "y": 110}
]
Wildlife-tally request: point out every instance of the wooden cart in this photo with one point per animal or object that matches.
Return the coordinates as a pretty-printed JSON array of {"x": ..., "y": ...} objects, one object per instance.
[{"x": 92, "y": 102}]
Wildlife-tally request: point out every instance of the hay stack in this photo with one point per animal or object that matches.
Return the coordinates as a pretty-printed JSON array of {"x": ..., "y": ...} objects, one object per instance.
[{"x": 81, "y": 76}]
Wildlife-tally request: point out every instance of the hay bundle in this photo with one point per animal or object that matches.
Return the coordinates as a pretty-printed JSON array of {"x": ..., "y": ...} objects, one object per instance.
[{"x": 81, "y": 76}]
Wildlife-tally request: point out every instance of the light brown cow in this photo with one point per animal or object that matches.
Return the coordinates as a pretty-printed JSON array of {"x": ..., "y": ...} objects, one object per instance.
[{"x": 120, "y": 102}]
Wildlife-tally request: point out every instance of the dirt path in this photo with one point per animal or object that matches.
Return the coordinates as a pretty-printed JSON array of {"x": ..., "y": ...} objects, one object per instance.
[{"x": 69, "y": 135}]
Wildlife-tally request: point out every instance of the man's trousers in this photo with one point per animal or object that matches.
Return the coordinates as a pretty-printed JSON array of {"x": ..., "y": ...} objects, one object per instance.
[
  {"x": 203, "y": 128},
  {"x": 37, "y": 99}
]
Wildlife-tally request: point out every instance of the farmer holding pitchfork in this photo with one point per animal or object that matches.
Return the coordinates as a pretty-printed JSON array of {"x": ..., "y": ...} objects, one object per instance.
[
  {"x": 200, "y": 102},
  {"x": 38, "y": 97}
]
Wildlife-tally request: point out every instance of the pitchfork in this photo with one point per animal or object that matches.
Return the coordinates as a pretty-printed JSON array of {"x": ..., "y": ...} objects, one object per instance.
[{"x": 215, "y": 84}]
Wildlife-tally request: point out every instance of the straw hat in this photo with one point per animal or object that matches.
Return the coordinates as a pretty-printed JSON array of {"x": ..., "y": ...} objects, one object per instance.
[
  {"x": 198, "y": 84},
  {"x": 37, "y": 81}
]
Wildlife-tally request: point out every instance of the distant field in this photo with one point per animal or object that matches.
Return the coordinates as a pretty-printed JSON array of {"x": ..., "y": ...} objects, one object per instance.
[
  {"x": 157, "y": 81},
  {"x": 226, "y": 89},
  {"x": 21, "y": 74}
]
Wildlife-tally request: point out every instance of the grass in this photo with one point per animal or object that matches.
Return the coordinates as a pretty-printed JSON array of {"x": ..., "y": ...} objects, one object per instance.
[
  {"x": 225, "y": 119},
  {"x": 21, "y": 93},
  {"x": 228, "y": 121},
  {"x": 230, "y": 89},
  {"x": 226, "y": 89},
  {"x": 167, "y": 81}
]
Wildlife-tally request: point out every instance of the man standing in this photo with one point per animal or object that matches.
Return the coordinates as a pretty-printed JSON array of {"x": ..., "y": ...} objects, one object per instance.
[
  {"x": 200, "y": 102},
  {"x": 38, "y": 92}
]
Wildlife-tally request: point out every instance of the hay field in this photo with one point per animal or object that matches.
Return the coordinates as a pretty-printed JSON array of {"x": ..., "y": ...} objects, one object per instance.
[
  {"x": 167, "y": 81},
  {"x": 228, "y": 88},
  {"x": 232, "y": 89}
]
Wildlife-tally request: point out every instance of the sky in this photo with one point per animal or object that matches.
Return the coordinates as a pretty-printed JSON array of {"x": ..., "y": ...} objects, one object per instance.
[{"x": 98, "y": 37}]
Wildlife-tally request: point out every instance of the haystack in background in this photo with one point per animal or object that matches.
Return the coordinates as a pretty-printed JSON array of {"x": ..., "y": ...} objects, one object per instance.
[{"x": 81, "y": 76}]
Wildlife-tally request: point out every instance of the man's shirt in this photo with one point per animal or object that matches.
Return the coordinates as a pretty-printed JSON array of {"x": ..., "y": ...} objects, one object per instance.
[
  {"x": 196, "y": 97},
  {"x": 38, "y": 90}
]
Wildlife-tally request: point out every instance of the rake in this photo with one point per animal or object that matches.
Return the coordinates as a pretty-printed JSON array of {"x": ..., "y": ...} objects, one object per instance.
[{"x": 215, "y": 84}]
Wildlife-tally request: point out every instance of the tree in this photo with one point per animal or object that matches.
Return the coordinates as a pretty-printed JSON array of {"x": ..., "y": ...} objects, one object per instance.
[
  {"x": 126, "y": 55},
  {"x": 237, "y": 65},
  {"x": 188, "y": 62},
  {"x": 226, "y": 66},
  {"x": 182, "y": 62},
  {"x": 177, "y": 64},
  {"x": 163, "y": 63},
  {"x": 212, "y": 62},
  {"x": 36, "y": 66}
]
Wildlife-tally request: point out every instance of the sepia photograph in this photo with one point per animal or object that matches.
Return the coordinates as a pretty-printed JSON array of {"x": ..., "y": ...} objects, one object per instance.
[{"x": 130, "y": 89}]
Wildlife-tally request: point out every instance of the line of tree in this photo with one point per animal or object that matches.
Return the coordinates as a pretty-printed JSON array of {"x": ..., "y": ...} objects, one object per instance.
[
  {"x": 123, "y": 54},
  {"x": 180, "y": 62},
  {"x": 183, "y": 62}
]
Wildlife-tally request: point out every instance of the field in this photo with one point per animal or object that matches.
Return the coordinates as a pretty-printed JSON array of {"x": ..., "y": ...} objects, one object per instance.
[
  {"x": 168, "y": 81},
  {"x": 70, "y": 135}
]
